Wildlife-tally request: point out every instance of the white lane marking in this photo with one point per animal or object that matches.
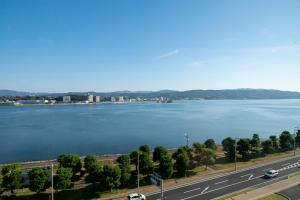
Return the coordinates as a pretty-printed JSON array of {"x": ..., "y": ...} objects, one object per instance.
[
  {"x": 267, "y": 169},
  {"x": 250, "y": 177},
  {"x": 219, "y": 188},
  {"x": 205, "y": 189},
  {"x": 285, "y": 164},
  {"x": 221, "y": 182},
  {"x": 192, "y": 190},
  {"x": 223, "y": 175},
  {"x": 245, "y": 175}
]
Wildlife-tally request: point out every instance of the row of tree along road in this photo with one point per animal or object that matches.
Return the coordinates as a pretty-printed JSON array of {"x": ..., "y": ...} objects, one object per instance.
[{"x": 123, "y": 172}]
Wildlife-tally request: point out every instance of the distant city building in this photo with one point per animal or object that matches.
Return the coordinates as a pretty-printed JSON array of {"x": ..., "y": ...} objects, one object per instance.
[
  {"x": 97, "y": 99},
  {"x": 30, "y": 101},
  {"x": 112, "y": 99},
  {"x": 91, "y": 98},
  {"x": 66, "y": 99},
  {"x": 120, "y": 99}
]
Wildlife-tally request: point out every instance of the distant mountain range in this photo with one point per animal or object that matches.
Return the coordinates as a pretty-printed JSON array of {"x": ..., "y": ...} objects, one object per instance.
[{"x": 189, "y": 94}]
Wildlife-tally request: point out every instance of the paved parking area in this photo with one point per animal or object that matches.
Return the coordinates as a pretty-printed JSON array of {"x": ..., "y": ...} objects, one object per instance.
[{"x": 292, "y": 193}]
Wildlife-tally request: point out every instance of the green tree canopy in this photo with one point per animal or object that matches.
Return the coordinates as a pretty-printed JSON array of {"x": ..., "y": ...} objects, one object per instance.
[
  {"x": 70, "y": 161},
  {"x": 145, "y": 149},
  {"x": 63, "y": 177},
  {"x": 210, "y": 144},
  {"x": 159, "y": 152},
  {"x": 89, "y": 161},
  {"x": 146, "y": 164},
  {"x": 267, "y": 146},
  {"x": 198, "y": 148},
  {"x": 11, "y": 177},
  {"x": 274, "y": 140},
  {"x": 229, "y": 148},
  {"x": 95, "y": 172},
  {"x": 286, "y": 141},
  {"x": 243, "y": 148},
  {"x": 124, "y": 164},
  {"x": 182, "y": 163},
  {"x": 255, "y": 141},
  {"x": 111, "y": 176},
  {"x": 39, "y": 179},
  {"x": 208, "y": 157},
  {"x": 166, "y": 166},
  {"x": 134, "y": 158}
]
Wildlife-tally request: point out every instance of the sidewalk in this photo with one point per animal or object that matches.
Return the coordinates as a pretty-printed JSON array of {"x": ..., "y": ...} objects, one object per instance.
[{"x": 269, "y": 189}]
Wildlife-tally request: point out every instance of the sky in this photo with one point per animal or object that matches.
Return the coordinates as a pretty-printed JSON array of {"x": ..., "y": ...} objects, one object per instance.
[{"x": 141, "y": 45}]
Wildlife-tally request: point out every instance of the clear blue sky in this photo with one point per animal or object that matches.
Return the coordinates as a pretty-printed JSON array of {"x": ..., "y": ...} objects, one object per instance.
[{"x": 109, "y": 45}]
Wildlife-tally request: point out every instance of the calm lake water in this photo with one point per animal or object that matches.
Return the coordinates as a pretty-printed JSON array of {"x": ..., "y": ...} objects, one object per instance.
[{"x": 43, "y": 132}]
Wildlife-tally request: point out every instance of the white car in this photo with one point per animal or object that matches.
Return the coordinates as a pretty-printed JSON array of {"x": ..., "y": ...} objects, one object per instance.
[
  {"x": 271, "y": 173},
  {"x": 136, "y": 196}
]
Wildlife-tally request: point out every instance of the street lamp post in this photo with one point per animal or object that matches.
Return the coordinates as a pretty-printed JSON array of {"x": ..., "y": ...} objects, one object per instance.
[
  {"x": 295, "y": 133},
  {"x": 235, "y": 164},
  {"x": 138, "y": 171},
  {"x": 52, "y": 195}
]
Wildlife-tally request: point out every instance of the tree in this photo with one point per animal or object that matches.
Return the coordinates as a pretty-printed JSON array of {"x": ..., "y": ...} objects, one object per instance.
[
  {"x": 95, "y": 172},
  {"x": 274, "y": 140},
  {"x": 267, "y": 146},
  {"x": 297, "y": 138},
  {"x": 89, "y": 161},
  {"x": 208, "y": 157},
  {"x": 243, "y": 147},
  {"x": 229, "y": 148},
  {"x": 166, "y": 166},
  {"x": 159, "y": 152},
  {"x": 111, "y": 176},
  {"x": 38, "y": 179},
  {"x": 198, "y": 148},
  {"x": 182, "y": 163},
  {"x": 146, "y": 164},
  {"x": 124, "y": 164},
  {"x": 63, "y": 177},
  {"x": 11, "y": 177},
  {"x": 255, "y": 141},
  {"x": 70, "y": 161},
  {"x": 134, "y": 158},
  {"x": 286, "y": 141},
  {"x": 145, "y": 149},
  {"x": 210, "y": 144}
]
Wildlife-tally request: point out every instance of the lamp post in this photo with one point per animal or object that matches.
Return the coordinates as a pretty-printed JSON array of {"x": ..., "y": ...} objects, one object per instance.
[
  {"x": 138, "y": 171},
  {"x": 52, "y": 195},
  {"x": 235, "y": 164},
  {"x": 296, "y": 129}
]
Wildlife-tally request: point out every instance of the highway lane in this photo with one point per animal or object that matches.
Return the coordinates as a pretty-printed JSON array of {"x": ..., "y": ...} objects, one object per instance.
[{"x": 218, "y": 186}]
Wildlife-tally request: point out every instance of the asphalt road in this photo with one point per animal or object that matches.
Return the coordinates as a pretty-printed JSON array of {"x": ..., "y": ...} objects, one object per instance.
[
  {"x": 231, "y": 182},
  {"x": 292, "y": 193}
]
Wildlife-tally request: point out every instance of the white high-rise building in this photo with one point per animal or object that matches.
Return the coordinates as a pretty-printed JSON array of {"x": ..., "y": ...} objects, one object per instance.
[
  {"x": 66, "y": 99},
  {"x": 91, "y": 98},
  {"x": 97, "y": 99}
]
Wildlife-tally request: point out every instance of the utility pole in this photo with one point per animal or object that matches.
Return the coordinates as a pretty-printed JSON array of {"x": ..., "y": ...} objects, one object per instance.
[
  {"x": 138, "y": 171},
  {"x": 52, "y": 195},
  {"x": 162, "y": 188},
  {"x": 235, "y": 144},
  {"x": 295, "y": 133},
  {"x": 187, "y": 139}
]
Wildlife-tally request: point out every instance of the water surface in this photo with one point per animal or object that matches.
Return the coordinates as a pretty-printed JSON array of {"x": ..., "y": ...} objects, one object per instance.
[{"x": 43, "y": 132}]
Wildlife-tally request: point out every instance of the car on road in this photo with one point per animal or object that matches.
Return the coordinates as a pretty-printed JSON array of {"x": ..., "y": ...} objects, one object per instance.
[
  {"x": 136, "y": 196},
  {"x": 271, "y": 174}
]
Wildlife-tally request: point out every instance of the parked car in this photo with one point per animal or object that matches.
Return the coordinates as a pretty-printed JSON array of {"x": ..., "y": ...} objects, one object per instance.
[
  {"x": 271, "y": 174},
  {"x": 136, "y": 196}
]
